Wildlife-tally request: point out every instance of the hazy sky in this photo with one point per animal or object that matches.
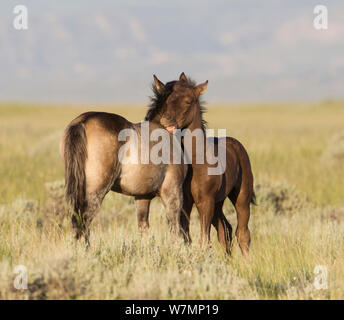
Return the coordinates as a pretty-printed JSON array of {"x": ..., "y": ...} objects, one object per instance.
[{"x": 107, "y": 51}]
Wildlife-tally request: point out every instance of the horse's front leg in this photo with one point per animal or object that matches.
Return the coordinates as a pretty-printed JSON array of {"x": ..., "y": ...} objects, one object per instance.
[
  {"x": 171, "y": 195},
  {"x": 142, "y": 211},
  {"x": 185, "y": 216},
  {"x": 206, "y": 212}
]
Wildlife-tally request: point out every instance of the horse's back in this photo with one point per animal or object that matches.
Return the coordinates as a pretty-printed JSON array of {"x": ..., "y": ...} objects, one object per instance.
[
  {"x": 234, "y": 146},
  {"x": 245, "y": 175},
  {"x": 236, "y": 165},
  {"x": 110, "y": 122}
]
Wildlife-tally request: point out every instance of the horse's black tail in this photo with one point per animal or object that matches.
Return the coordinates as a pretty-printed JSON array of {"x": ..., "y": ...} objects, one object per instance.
[
  {"x": 254, "y": 199},
  {"x": 75, "y": 154}
]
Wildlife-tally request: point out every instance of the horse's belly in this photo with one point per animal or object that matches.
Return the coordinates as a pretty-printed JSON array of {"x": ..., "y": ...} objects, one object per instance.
[{"x": 138, "y": 179}]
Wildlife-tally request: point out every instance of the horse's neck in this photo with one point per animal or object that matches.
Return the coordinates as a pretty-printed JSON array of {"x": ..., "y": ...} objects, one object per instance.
[
  {"x": 196, "y": 124},
  {"x": 197, "y": 121}
]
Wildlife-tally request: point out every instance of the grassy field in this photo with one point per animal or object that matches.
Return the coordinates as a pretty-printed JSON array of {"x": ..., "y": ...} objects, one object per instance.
[{"x": 297, "y": 155}]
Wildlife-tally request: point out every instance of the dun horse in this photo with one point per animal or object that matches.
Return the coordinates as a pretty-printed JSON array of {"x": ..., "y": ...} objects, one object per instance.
[
  {"x": 178, "y": 107},
  {"x": 90, "y": 147}
]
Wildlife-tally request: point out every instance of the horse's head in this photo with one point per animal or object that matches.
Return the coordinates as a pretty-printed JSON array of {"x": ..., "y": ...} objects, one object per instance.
[{"x": 182, "y": 103}]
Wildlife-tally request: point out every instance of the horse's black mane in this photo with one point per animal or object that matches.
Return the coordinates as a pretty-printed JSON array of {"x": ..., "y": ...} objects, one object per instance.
[{"x": 158, "y": 99}]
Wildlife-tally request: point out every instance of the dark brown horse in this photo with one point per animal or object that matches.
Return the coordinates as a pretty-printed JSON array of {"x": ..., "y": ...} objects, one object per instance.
[
  {"x": 177, "y": 106},
  {"x": 91, "y": 148}
]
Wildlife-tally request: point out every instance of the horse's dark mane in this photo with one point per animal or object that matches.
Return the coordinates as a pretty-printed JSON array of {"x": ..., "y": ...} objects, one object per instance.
[{"x": 158, "y": 99}]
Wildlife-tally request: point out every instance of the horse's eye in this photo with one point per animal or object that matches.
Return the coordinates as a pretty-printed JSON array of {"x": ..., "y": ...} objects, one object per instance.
[{"x": 189, "y": 102}]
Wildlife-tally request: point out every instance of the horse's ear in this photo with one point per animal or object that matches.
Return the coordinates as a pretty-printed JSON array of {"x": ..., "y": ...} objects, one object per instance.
[
  {"x": 182, "y": 77},
  {"x": 201, "y": 88},
  {"x": 158, "y": 84}
]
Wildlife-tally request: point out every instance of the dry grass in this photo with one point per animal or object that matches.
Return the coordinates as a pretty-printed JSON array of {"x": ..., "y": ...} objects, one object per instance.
[
  {"x": 298, "y": 224},
  {"x": 334, "y": 153}
]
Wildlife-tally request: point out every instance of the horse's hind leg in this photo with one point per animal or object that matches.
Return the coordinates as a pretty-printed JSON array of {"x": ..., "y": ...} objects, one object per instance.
[
  {"x": 99, "y": 179},
  {"x": 223, "y": 227},
  {"x": 90, "y": 152},
  {"x": 142, "y": 211},
  {"x": 241, "y": 201}
]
